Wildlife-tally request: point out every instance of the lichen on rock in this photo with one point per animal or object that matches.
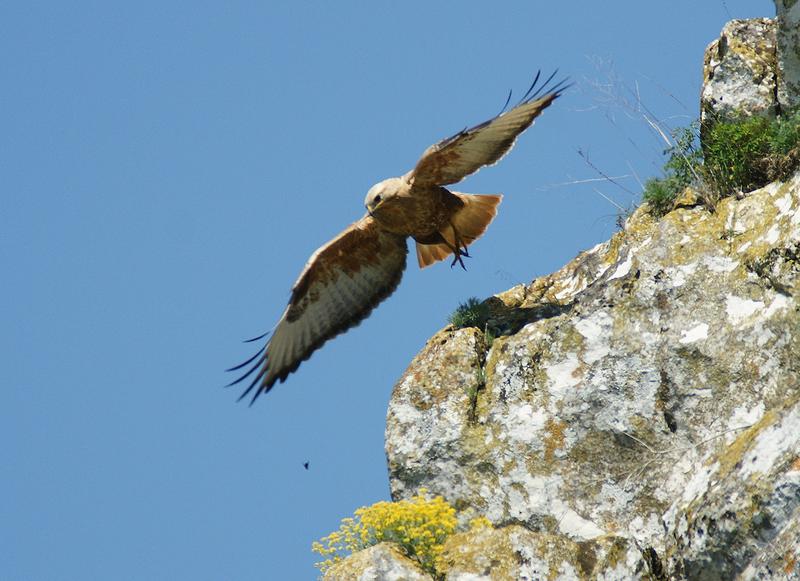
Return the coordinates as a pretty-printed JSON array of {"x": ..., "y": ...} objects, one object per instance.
[
  {"x": 740, "y": 72},
  {"x": 742, "y": 515},
  {"x": 383, "y": 562},
  {"x": 514, "y": 552},
  {"x": 753, "y": 68},
  {"x": 631, "y": 394},
  {"x": 788, "y": 19}
]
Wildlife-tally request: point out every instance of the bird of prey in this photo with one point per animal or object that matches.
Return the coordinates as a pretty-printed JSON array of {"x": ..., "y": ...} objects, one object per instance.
[{"x": 345, "y": 279}]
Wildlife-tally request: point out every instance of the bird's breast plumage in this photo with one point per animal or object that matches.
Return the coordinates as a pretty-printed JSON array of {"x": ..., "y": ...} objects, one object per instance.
[{"x": 417, "y": 212}]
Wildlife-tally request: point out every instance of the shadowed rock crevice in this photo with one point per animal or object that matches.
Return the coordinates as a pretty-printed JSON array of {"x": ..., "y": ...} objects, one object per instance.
[{"x": 508, "y": 318}]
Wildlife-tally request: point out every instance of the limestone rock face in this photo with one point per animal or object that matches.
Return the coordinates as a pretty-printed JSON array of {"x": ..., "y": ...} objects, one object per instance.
[
  {"x": 740, "y": 513},
  {"x": 788, "y": 39},
  {"x": 740, "y": 71},
  {"x": 637, "y": 413},
  {"x": 514, "y": 552},
  {"x": 383, "y": 562},
  {"x": 645, "y": 397},
  {"x": 753, "y": 68}
]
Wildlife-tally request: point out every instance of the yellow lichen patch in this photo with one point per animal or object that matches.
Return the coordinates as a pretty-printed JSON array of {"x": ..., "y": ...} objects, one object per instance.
[
  {"x": 561, "y": 286},
  {"x": 735, "y": 451},
  {"x": 480, "y": 522},
  {"x": 795, "y": 465},
  {"x": 689, "y": 198},
  {"x": 733, "y": 454},
  {"x": 756, "y": 218},
  {"x": 498, "y": 553},
  {"x": 789, "y": 563},
  {"x": 639, "y": 226},
  {"x": 513, "y": 297},
  {"x": 703, "y": 229},
  {"x": 554, "y": 440},
  {"x": 572, "y": 341},
  {"x": 610, "y": 254},
  {"x": 433, "y": 383},
  {"x": 616, "y": 552},
  {"x": 478, "y": 440},
  {"x": 759, "y": 56}
]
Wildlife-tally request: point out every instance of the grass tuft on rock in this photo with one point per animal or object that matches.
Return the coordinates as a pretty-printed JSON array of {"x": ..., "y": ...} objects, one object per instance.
[
  {"x": 749, "y": 153},
  {"x": 740, "y": 155},
  {"x": 684, "y": 159},
  {"x": 472, "y": 313}
]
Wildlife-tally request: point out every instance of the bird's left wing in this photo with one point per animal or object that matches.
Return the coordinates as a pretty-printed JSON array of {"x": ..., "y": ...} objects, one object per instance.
[
  {"x": 456, "y": 157},
  {"x": 341, "y": 284}
]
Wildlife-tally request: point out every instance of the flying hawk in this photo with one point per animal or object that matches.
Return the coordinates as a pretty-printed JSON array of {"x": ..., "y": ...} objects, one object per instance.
[{"x": 348, "y": 277}]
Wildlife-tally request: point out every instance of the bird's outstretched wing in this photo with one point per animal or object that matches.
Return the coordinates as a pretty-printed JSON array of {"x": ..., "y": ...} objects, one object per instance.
[
  {"x": 456, "y": 157},
  {"x": 342, "y": 283}
]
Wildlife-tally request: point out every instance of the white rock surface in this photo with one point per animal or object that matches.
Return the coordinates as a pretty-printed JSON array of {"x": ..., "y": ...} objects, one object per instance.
[
  {"x": 648, "y": 391},
  {"x": 383, "y": 562},
  {"x": 753, "y": 68},
  {"x": 788, "y": 16},
  {"x": 740, "y": 73}
]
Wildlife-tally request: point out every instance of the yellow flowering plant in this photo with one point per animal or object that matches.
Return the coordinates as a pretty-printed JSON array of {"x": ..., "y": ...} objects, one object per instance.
[{"x": 419, "y": 526}]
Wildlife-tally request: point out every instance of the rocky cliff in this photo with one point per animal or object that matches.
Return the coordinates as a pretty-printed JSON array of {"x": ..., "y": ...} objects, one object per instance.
[
  {"x": 639, "y": 411},
  {"x": 635, "y": 414}
]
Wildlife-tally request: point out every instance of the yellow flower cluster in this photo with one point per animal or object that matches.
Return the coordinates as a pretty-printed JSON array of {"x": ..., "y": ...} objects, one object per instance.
[{"x": 419, "y": 526}]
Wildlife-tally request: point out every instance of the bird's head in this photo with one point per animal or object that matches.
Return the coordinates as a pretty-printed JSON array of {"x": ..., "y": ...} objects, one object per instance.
[{"x": 382, "y": 192}]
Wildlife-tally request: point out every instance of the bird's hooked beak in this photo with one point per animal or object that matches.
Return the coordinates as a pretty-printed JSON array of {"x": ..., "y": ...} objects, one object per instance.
[{"x": 376, "y": 203}]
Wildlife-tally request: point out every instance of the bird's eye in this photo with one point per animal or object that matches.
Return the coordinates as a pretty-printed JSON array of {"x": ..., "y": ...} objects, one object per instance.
[{"x": 377, "y": 199}]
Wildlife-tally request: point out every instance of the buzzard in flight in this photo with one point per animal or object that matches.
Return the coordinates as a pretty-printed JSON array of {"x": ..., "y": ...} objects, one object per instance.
[{"x": 345, "y": 279}]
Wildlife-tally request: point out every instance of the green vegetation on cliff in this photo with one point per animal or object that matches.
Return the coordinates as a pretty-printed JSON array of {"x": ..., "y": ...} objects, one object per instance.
[{"x": 725, "y": 157}]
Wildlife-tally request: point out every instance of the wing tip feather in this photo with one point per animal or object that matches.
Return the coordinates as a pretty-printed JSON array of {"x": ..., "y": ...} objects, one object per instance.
[
  {"x": 277, "y": 359},
  {"x": 545, "y": 89}
]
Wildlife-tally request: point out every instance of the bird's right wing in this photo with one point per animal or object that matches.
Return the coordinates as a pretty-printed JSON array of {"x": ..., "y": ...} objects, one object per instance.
[
  {"x": 341, "y": 284},
  {"x": 456, "y": 157}
]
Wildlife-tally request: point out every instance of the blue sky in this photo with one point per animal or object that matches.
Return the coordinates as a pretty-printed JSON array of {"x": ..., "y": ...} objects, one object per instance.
[{"x": 167, "y": 170}]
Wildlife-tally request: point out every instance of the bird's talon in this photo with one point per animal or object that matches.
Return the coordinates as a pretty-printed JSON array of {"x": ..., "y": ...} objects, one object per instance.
[{"x": 457, "y": 259}]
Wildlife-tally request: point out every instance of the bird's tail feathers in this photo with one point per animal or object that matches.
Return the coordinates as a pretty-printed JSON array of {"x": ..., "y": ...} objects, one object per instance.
[
  {"x": 471, "y": 221},
  {"x": 466, "y": 226},
  {"x": 428, "y": 254}
]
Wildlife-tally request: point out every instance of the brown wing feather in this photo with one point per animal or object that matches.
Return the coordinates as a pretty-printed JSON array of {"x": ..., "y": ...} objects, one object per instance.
[
  {"x": 342, "y": 283},
  {"x": 456, "y": 157}
]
